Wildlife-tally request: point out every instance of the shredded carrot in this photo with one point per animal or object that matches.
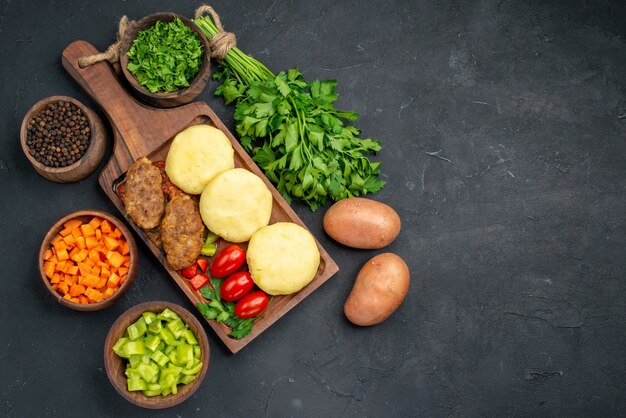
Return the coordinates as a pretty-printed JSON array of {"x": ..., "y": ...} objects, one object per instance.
[{"x": 87, "y": 262}]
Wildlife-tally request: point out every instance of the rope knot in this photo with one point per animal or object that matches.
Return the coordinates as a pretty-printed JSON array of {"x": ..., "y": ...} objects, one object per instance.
[
  {"x": 223, "y": 41},
  {"x": 112, "y": 54}
]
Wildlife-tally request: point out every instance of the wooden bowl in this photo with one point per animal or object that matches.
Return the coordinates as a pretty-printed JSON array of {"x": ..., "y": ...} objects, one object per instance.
[
  {"x": 176, "y": 98},
  {"x": 90, "y": 159},
  {"x": 86, "y": 215},
  {"x": 116, "y": 366}
]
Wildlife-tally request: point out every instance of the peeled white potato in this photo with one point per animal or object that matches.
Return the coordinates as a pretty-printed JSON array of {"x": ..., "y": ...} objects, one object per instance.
[
  {"x": 282, "y": 258},
  {"x": 196, "y": 155},
  {"x": 236, "y": 204}
]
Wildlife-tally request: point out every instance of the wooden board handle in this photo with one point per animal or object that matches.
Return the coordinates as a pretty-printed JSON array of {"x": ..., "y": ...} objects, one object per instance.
[{"x": 142, "y": 128}]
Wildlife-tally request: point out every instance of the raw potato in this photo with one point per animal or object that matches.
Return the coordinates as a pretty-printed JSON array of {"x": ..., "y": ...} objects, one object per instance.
[
  {"x": 196, "y": 155},
  {"x": 236, "y": 204},
  {"x": 379, "y": 289},
  {"x": 282, "y": 258},
  {"x": 362, "y": 223}
]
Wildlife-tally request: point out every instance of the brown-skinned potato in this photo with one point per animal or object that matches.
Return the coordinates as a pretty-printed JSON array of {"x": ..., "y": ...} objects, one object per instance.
[
  {"x": 362, "y": 223},
  {"x": 379, "y": 289}
]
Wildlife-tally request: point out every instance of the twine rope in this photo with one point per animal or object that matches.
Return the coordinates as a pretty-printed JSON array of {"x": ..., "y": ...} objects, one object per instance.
[
  {"x": 112, "y": 54},
  {"x": 221, "y": 42}
]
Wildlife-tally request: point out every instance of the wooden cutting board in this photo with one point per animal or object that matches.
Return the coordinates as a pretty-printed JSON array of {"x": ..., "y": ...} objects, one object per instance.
[{"x": 138, "y": 131}]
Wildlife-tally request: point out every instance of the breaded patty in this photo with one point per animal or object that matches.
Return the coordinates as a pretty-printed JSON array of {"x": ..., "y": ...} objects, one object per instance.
[
  {"x": 181, "y": 231},
  {"x": 143, "y": 197}
]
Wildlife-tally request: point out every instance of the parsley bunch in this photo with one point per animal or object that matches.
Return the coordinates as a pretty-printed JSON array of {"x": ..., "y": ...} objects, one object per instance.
[
  {"x": 222, "y": 311},
  {"x": 293, "y": 131},
  {"x": 165, "y": 57}
]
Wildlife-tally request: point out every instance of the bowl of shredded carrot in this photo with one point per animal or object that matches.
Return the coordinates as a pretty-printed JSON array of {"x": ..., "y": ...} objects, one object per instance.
[{"x": 87, "y": 260}]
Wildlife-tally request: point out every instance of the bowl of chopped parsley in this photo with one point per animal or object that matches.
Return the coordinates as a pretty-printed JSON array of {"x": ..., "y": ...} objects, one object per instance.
[{"x": 166, "y": 59}]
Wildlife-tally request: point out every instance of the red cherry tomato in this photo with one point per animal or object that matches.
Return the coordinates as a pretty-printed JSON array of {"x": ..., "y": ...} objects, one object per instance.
[
  {"x": 236, "y": 286},
  {"x": 251, "y": 304},
  {"x": 228, "y": 261}
]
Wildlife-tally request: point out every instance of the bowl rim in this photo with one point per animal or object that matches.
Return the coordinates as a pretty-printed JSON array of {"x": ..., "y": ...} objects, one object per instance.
[
  {"x": 132, "y": 269},
  {"x": 38, "y": 107},
  {"x": 142, "y": 24},
  {"x": 119, "y": 381}
]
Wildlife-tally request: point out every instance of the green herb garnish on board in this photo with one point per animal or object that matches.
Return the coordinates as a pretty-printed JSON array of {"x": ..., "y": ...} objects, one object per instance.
[
  {"x": 223, "y": 311},
  {"x": 165, "y": 57},
  {"x": 305, "y": 146}
]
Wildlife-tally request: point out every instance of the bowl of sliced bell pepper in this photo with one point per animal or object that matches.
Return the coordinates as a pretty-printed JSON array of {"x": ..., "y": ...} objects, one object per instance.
[
  {"x": 88, "y": 260},
  {"x": 156, "y": 354}
]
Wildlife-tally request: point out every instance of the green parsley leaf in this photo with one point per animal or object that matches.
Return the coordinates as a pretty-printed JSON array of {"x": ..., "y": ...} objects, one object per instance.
[
  {"x": 221, "y": 311},
  {"x": 306, "y": 147},
  {"x": 166, "y": 57}
]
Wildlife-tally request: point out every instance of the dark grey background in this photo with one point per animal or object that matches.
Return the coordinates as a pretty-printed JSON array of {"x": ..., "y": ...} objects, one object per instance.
[{"x": 516, "y": 237}]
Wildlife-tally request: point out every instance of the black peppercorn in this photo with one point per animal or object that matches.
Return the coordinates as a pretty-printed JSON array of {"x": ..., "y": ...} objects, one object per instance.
[{"x": 58, "y": 135}]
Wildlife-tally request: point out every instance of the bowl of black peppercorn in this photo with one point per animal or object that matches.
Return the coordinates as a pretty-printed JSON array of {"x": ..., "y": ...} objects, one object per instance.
[{"x": 63, "y": 139}]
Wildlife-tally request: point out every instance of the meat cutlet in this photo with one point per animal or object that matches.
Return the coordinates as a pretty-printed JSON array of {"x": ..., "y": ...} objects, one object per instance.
[
  {"x": 143, "y": 197},
  {"x": 181, "y": 231}
]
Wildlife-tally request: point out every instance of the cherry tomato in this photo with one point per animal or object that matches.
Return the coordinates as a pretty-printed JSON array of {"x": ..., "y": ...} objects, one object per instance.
[
  {"x": 236, "y": 286},
  {"x": 228, "y": 261},
  {"x": 251, "y": 304}
]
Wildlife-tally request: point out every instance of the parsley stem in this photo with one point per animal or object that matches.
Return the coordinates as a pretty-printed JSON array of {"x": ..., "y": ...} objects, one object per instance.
[{"x": 245, "y": 68}]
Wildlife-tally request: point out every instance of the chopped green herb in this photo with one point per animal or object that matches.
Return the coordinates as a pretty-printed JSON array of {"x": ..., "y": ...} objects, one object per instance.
[{"x": 165, "y": 57}]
